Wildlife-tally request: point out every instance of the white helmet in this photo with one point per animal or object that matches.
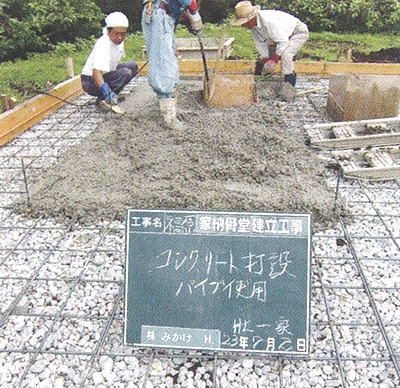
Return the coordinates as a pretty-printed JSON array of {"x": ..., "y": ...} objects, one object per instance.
[{"x": 116, "y": 19}]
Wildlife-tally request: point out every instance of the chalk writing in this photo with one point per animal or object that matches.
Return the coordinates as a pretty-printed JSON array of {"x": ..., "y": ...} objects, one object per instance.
[
  {"x": 230, "y": 281},
  {"x": 275, "y": 336},
  {"x": 214, "y": 262},
  {"x": 245, "y": 289},
  {"x": 211, "y": 263}
]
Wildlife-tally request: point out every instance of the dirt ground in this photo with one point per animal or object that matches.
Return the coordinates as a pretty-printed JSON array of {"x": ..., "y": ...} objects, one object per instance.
[
  {"x": 390, "y": 55},
  {"x": 234, "y": 159}
]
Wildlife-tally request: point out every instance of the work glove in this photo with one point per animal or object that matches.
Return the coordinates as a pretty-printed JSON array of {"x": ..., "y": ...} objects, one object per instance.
[
  {"x": 148, "y": 10},
  {"x": 108, "y": 94},
  {"x": 195, "y": 24},
  {"x": 270, "y": 65},
  {"x": 193, "y": 18}
]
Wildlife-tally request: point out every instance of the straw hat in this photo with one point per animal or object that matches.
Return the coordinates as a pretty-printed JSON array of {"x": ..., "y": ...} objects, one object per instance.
[{"x": 245, "y": 12}]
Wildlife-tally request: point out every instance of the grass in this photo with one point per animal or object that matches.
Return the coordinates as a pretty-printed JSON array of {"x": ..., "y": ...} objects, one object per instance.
[{"x": 23, "y": 79}]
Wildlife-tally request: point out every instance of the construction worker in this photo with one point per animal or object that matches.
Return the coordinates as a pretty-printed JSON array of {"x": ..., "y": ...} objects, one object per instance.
[
  {"x": 103, "y": 76},
  {"x": 277, "y": 35},
  {"x": 159, "y": 19}
]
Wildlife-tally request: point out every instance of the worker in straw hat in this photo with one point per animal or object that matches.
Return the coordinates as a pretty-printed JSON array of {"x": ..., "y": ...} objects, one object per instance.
[
  {"x": 103, "y": 75},
  {"x": 159, "y": 19},
  {"x": 278, "y": 37}
]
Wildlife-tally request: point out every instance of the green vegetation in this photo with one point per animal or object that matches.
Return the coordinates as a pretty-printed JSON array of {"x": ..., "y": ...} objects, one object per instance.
[
  {"x": 330, "y": 47},
  {"x": 23, "y": 79},
  {"x": 39, "y": 25},
  {"x": 362, "y": 16}
]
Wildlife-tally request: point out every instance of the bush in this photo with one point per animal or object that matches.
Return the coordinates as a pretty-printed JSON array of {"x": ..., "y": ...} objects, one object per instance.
[
  {"x": 364, "y": 16},
  {"x": 131, "y": 8},
  {"x": 38, "y": 25}
]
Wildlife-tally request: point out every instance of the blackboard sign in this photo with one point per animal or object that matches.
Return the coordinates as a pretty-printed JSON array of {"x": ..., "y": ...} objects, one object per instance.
[{"x": 218, "y": 281}]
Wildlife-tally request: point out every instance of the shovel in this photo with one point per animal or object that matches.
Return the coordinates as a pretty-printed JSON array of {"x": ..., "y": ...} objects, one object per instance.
[{"x": 112, "y": 108}]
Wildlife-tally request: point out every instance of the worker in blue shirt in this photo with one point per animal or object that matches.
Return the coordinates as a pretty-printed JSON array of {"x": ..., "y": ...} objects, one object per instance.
[{"x": 159, "y": 19}]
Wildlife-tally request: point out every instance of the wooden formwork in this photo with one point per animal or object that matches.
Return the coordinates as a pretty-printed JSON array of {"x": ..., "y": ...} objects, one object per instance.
[
  {"x": 226, "y": 89},
  {"x": 365, "y": 149},
  {"x": 355, "y": 134},
  {"x": 23, "y": 116},
  {"x": 373, "y": 164},
  {"x": 363, "y": 96}
]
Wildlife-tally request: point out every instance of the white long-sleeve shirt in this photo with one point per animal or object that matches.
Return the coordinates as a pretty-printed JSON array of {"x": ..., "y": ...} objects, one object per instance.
[{"x": 273, "y": 27}]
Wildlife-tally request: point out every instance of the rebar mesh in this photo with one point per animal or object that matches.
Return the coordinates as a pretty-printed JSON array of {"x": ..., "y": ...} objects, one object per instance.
[{"x": 62, "y": 285}]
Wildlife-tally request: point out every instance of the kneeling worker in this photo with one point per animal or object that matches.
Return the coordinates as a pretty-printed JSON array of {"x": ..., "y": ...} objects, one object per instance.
[
  {"x": 103, "y": 76},
  {"x": 277, "y": 35}
]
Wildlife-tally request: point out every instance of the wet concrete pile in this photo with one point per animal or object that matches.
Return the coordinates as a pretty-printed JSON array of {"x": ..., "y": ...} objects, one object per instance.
[{"x": 239, "y": 159}]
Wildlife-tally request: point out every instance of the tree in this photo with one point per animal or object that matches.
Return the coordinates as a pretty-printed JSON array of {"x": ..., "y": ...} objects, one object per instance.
[
  {"x": 131, "y": 8},
  {"x": 212, "y": 11},
  {"x": 38, "y": 25},
  {"x": 365, "y": 16}
]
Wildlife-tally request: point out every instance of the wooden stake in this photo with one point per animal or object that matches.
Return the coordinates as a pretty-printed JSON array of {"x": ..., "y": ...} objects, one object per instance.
[
  {"x": 28, "y": 113},
  {"x": 70, "y": 68},
  {"x": 349, "y": 53},
  {"x": 8, "y": 103},
  {"x": 215, "y": 72},
  {"x": 220, "y": 46},
  {"x": 4, "y": 101}
]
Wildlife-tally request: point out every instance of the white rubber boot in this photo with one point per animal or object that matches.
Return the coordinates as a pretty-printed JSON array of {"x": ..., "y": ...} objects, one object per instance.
[{"x": 168, "y": 112}]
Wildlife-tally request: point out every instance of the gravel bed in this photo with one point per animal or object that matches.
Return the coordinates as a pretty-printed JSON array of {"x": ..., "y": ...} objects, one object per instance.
[{"x": 61, "y": 285}]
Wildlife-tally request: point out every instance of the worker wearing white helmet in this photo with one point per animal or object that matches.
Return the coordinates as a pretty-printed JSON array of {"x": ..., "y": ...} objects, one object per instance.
[
  {"x": 103, "y": 76},
  {"x": 277, "y": 35}
]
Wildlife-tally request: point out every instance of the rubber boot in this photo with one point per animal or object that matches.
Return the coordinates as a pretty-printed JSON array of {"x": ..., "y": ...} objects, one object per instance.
[
  {"x": 259, "y": 66},
  {"x": 168, "y": 112},
  {"x": 291, "y": 78}
]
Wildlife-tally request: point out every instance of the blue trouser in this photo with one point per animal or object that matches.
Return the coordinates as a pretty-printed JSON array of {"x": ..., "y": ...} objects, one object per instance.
[
  {"x": 116, "y": 79},
  {"x": 161, "y": 52}
]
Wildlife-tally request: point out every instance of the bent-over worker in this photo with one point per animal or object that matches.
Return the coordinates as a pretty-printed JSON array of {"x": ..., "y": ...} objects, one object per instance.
[
  {"x": 103, "y": 76},
  {"x": 277, "y": 35},
  {"x": 159, "y": 19}
]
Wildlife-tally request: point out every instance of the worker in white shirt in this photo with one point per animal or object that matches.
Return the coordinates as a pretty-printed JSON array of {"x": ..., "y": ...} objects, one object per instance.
[
  {"x": 103, "y": 75},
  {"x": 277, "y": 35}
]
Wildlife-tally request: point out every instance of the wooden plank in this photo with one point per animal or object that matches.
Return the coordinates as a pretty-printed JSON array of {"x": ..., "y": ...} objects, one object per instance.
[
  {"x": 321, "y": 135},
  {"x": 344, "y": 131},
  {"x": 359, "y": 141},
  {"x": 376, "y": 164},
  {"x": 328, "y": 68},
  {"x": 379, "y": 159},
  {"x": 23, "y": 116},
  {"x": 323, "y": 69},
  {"x": 373, "y": 173},
  {"x": 357, "y": 122}
]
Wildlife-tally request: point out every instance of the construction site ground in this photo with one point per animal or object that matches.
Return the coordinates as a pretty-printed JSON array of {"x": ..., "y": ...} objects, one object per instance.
[{"x": 66, "y": 183}]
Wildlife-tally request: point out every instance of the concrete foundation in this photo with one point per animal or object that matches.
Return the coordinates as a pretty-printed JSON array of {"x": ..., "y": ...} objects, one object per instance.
[{"x": 360, "y": 96}]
